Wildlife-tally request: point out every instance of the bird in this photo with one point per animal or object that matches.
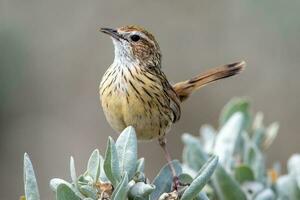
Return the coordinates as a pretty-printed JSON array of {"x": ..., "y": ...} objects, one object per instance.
[{"x": 134, "y": 91}]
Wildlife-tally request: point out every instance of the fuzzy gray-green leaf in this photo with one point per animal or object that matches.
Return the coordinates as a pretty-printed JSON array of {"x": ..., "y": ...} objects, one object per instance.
[
  {"x": 73, "y": 170},
  {"x": 185, "y": 179},
  {"x": 140, "y": 190},
  {"x": 208, "y": 136},
  {"x": 258, "y": 137},
  {"x": 201, "y": 179},
  {"x": 252, "y": 189},
  {"x": 255, "y": 159},
  {"x": 243, "y": 173},
  {"x": 270, "y": 135},
  {"x": 88, "y": 191},
  {"x": 287, "y": 187},
  {"x": 193, "y": 153},
  {"x": 226, "y": 187},
  {"x": 201, "y": 196},
  {"x": 126, "y": 145},
  {"x": 55, "y": 182},
  {"x": 65, "y": 193},
  {"x": 163, "y": 181},
  {"x": 120, "y": 192},
  {"x": 266, "y": 194},
  {"x": 140, "y": 165},
  {"x": 258, "y": 121},
  {"x": 102, "y": 176},
  {"x": 111, "y": 163},
  {"x": 93, "y": 166},
  {"x": 139, "y": 177},
  {"x": 235, "y": 105},
  {"x": 227, "y": 139},
  {"x": 294, "y": 167},
  {"x": 30, "y": 184}
]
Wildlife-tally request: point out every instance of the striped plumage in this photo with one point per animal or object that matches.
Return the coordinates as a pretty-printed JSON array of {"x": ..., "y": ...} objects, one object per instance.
[
  {"x": 134, "y": 90},
  {"x": 141, "y": 97}
]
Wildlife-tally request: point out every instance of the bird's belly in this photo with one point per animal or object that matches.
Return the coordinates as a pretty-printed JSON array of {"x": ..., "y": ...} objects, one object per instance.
[
  {"x": 146, "y": 122},
  {"x": 113, "y": 110},
  {"x": 122, "y": 111}
]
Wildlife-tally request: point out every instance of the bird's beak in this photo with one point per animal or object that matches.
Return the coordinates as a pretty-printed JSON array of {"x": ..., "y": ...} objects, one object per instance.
[{"x": 112, "y": 32}]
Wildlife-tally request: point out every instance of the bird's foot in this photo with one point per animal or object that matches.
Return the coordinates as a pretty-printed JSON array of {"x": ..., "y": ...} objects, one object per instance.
[{"x": 176, "y": 183}]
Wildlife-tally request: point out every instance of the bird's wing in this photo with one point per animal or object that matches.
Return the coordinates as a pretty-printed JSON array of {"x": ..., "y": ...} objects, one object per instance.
[
  {"x": 185, "y": 88},
  {"x": 170, "y": 93},
  {"x": 174, "y": 104}
]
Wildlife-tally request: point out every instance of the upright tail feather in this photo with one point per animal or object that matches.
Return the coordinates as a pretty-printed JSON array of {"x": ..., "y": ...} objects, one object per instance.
[{"x": 185, "y": 88}]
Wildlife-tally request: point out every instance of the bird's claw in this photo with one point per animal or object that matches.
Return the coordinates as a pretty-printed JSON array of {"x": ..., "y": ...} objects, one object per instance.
[{"x": 176, "y": 183}]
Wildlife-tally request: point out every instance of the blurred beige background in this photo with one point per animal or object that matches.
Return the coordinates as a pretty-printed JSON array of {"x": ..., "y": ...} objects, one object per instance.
[{"x": 52, "y": 59}]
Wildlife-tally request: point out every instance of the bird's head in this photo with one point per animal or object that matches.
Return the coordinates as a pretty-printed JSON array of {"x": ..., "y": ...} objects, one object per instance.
[{"x": 134, "y": 44}]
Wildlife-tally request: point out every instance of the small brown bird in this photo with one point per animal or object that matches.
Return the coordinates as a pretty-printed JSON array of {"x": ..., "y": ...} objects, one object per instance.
[{"x": 135, "y": 92}]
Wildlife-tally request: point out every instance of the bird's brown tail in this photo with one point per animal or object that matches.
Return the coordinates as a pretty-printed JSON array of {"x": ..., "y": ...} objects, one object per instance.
[{"x": 185, "y": 88}]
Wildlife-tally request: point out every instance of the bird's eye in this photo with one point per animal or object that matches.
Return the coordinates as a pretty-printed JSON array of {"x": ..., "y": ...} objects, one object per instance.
[{"x": 135, "y": 38}]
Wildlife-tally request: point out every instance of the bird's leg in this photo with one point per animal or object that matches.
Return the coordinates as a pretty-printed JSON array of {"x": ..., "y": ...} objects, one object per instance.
[{"x": 163, "y": 144}]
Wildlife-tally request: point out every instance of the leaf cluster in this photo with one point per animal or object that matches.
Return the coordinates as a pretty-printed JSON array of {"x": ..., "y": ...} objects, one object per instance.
[{"x": 227, "y": 163}]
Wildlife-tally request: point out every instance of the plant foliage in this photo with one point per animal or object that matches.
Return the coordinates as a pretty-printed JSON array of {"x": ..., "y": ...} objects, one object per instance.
[{"x": 228, "y": 164}]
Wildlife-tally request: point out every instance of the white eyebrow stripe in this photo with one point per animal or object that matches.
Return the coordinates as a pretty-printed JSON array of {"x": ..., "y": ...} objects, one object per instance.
[{"x": 143, "y": 36}]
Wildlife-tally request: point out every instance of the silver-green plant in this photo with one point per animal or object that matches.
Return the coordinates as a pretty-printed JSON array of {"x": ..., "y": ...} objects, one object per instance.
[
  {"x": 228, "y": 164},
  {"x": 240, "y": 143},
  {"x": 120, "y": 176}
]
